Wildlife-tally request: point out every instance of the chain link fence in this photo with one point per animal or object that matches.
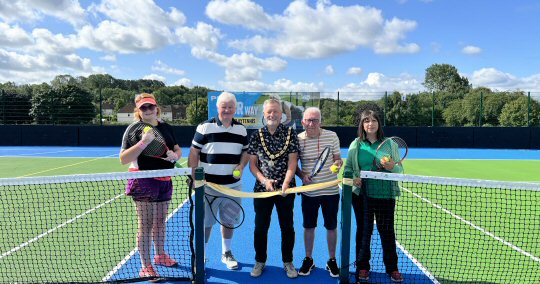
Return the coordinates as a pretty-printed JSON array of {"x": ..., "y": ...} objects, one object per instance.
[{"x": 485, "y": 109}]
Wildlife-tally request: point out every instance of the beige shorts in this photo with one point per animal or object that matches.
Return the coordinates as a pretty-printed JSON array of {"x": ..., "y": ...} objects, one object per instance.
[{"x": 228, "y": 211}]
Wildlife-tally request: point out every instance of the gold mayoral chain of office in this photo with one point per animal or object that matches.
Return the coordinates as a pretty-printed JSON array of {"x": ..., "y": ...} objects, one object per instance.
[{"x": 274, "y": 156}]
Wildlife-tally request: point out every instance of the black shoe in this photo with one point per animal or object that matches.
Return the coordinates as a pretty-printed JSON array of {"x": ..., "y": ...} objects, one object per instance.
[
  {"x": 332, "y": 267},
  {"x": 307, "y": 266}
]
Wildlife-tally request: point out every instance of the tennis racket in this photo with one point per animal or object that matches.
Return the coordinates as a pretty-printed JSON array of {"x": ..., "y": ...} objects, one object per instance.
[
  {"x": 231, "y": 208},
  {"x": 157, "y": 148},
  {"x": 319, "y": 164},
  {"x": 391, "y": 149}
]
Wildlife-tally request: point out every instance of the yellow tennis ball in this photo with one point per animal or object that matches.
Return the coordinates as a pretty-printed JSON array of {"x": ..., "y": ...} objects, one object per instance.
[
  {"x": 334, "y": 168},
  {"x": 386, "y": 159},
  {"x": 146, "y": 129},
  {"x": 236, "y": 173}
]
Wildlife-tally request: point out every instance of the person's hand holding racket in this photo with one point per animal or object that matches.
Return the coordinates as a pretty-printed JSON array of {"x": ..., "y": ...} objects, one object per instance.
[
  {"x": 390, "y": 153},
  {"x": 387, "y": 163},
  {"x": 171, "y": 156},
  {"x": 154, "y": 144}
]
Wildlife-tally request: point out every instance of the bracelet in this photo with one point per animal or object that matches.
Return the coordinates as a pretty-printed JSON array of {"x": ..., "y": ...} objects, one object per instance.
[{"x": 141, "y": 145}]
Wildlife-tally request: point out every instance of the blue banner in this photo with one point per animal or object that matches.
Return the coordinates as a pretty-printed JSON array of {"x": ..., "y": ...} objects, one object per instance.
[{"x": 249, "y": 106}]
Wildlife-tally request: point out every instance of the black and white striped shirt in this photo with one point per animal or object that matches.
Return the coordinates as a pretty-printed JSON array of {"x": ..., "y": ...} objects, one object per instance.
[{"x": 221, "y": 149}]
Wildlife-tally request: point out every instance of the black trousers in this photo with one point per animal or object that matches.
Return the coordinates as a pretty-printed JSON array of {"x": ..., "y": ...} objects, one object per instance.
[
  {"x": 263, "y": 215},
  {"x": 381, "y": 210},
  {"x": 358, "y": 207}
]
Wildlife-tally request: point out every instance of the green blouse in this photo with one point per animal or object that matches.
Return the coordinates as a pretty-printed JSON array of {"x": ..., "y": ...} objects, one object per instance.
[{"x": 360, "y": 157}]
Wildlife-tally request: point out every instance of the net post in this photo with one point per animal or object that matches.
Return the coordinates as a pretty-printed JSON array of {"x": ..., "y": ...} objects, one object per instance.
[
  {"x": 346, "y": 195},
  {"x": 199, "y": 226}
]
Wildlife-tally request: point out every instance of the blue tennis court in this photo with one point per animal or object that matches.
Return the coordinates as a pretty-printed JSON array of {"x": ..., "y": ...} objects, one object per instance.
[{"x": 216, "y": 271}]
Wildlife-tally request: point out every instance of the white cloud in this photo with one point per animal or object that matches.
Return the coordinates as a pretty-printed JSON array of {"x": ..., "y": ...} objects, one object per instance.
[
  {"x": 354, "y": 71},
  {"x": 155, "y": 77},
  {"x": 329, "y": 70},
  {"x": 281, "y": 85},
  {"x": 374, "y": 86},
  {"x": 183, "y": 82},
  {"x": 162, "y": 67},
  {"x": 242, "y": 13},
  {"x": 13, "y": 36},
  {"x": 33, "y": 10},
  {"x": 151, "y": 28},
  {"x": 241, "y": 67},
  {"x": 498, "y": 80},
  {"x": 471, "y": 50},
  {"x": 306, "y": 32},
  {"x": 203, "y": 36}
]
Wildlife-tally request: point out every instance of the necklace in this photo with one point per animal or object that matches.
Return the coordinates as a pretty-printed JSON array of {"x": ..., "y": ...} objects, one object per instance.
[{"x": 274, "y": 156}]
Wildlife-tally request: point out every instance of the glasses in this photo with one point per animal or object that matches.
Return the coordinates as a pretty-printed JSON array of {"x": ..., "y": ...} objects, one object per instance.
[
  {"x": 147, "y": 107},
  {"x": 313, "y": 121}
]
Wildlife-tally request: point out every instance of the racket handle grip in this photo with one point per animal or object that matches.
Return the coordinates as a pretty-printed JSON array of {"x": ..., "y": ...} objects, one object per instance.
[{"x": 141, "y": 145}]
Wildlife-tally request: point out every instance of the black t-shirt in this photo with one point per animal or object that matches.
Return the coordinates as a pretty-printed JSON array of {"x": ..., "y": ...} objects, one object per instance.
[{"x": 151, "y": 163}]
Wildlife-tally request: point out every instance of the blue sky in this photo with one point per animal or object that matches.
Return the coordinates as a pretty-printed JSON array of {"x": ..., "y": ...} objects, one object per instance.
[{"x": 242, "y": 45}]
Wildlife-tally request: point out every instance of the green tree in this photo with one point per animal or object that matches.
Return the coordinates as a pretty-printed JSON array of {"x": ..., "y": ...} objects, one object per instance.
[
  {"x": 445, "y": 77},
  {"x": 453, "y": 114},
  {"x": 62, "y": 80},
  {"x": 14, "y": 106},
  {"x": 69, "y": 104},
  {"x": 197, "y": 111},
  {"x": 514, "y": 112}
]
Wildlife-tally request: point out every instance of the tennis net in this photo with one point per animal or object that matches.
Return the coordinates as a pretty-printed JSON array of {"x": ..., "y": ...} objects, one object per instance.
[
  {"x": 83, "y": 228},
  {"x": 452, "y": 230}
]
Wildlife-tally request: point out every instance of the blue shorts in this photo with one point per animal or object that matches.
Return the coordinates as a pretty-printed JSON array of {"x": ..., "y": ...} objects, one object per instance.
[
  {"x": 149, "y": 189},
  {"x": 329, "y": 205}
]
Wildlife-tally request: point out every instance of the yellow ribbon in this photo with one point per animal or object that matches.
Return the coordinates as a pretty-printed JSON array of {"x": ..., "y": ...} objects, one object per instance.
[
  {"x": 243, "y": 194},
  {"x": 348, "y": 181},
  {"x": 199, "y": 183}
]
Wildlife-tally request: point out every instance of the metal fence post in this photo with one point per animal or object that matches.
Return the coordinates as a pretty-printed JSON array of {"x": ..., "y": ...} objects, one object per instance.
[
  {"x": 337, "y": 114},
  {"x": 481, "y": 109},
  {"x": 199, "y": 227},
  {"x": 346, "y": 195},
  {"x": 528, "y": 109}
]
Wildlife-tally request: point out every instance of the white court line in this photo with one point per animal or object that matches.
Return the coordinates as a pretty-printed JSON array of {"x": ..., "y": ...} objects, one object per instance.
[
  {"x": 44, "y": 234},
  {"x": 132, "y": 253},
  {"x": 66, "y": 166},
  {"x": 503, "y": 241},
  {"x": 39, "y": 153},
  {"x": 418, "y": 264}
]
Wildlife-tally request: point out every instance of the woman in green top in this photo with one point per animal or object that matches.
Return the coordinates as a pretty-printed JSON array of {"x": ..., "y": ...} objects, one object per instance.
[{"x": 373, "y": 199}]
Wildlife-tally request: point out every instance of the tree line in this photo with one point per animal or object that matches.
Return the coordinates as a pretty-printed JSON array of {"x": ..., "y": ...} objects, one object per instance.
[
  {"x": 70, "y": 100},
  {"x": 449, "y": 100}
]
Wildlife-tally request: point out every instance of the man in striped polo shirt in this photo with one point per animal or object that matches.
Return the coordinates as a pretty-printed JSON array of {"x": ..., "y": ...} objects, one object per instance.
[
  {"x": 219, "y": 146},
  {"x": 312, "y": 142}
]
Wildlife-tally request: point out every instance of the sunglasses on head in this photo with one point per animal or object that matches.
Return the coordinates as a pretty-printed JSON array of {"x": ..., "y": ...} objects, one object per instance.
[{"x": 147, "y": 107}]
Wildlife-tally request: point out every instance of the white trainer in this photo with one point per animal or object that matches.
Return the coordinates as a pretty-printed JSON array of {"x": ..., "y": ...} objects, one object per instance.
[
  {"x": 291, "y": 271},
  {"x": 257, "y": 269},
  {"x": 229, "y": 260}
]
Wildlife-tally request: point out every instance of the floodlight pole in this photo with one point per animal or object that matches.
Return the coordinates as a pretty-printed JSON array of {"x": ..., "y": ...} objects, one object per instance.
[
  {"x": 337, "y": 114},
  {"x": 528, "y": 109}
]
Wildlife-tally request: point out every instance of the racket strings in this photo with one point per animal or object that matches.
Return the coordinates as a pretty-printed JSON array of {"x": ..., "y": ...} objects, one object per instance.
[{"x": 320, "y": 161}]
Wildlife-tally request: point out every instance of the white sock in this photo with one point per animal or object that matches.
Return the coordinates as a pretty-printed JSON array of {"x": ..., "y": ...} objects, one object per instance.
[
  {"x": 205, "y": 249},
  {"x": 225, "y": 245}
]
